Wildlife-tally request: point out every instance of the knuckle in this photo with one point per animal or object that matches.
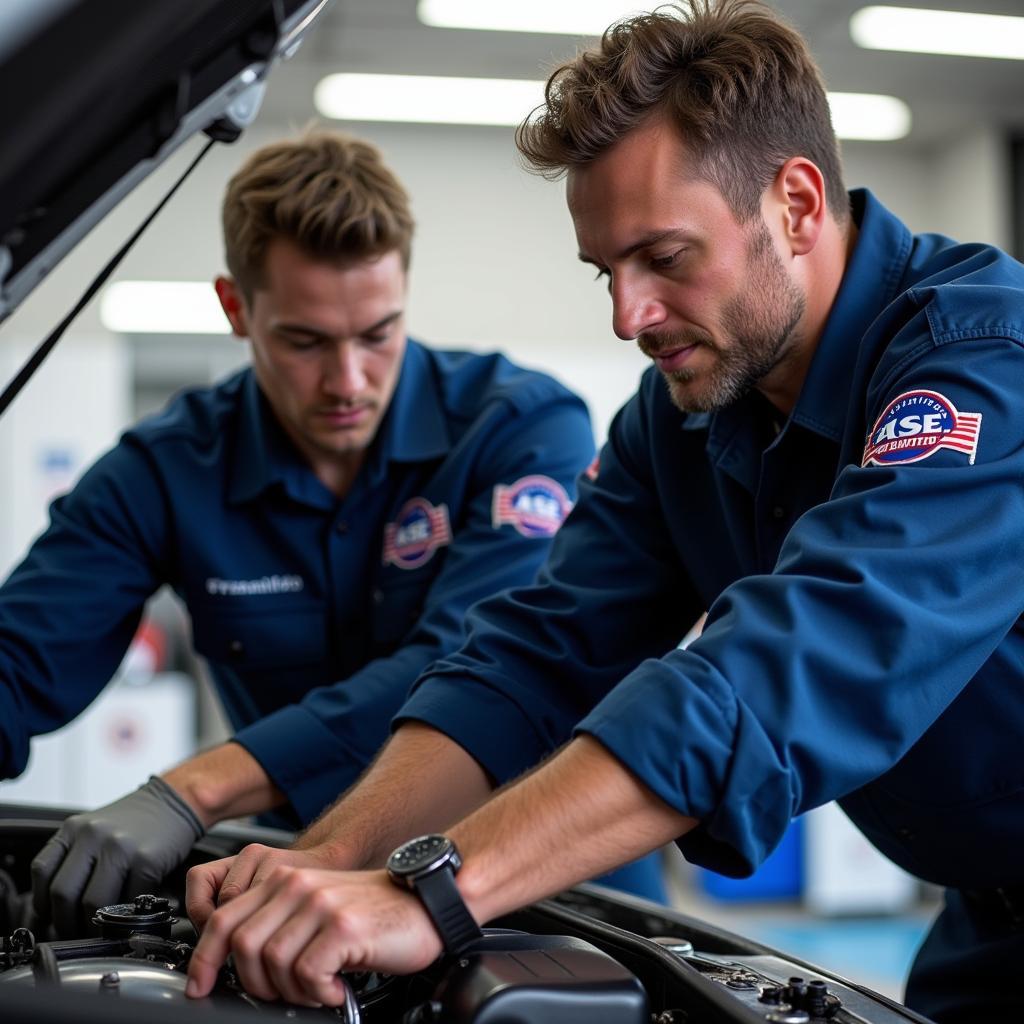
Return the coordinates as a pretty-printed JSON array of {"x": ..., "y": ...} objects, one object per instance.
[
  {"x": 307, "y": 975},
  {"x": 217, "y": 926},
  {"x": 321, "y": 901},
  {"x": 245, "y": 944},
  {"x": 229, "y": 890},
  {"x": 280, "y": 874},
  {"x": 275, "y": 955}
]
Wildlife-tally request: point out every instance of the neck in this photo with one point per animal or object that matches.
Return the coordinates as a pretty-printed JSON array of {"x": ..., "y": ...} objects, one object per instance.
[
  {"x": 338, "y": 473},
  {"x": 826, "y": 264}
]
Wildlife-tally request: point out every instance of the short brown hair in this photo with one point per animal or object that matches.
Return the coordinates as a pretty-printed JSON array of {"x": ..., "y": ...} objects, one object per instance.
[
  {"x": 739, "y": 83},
  {"x": 329, "y": 193}
]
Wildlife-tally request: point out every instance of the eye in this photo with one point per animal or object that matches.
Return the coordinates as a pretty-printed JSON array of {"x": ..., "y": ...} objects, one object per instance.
[
  {"x": 301, "y": 344},
  {"x": 666, "y": 262}
]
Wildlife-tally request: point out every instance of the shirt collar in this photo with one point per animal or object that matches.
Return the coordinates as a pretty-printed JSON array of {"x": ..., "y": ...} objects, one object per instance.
[
  {"x": 414, "y": 429},
  {"x": 870, "y": 283}
]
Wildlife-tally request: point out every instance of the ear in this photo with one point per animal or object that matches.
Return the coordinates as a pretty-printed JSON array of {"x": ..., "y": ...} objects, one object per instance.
[
  {"x": 798, "y": 194},
  {"x": 233, "y": 304}
]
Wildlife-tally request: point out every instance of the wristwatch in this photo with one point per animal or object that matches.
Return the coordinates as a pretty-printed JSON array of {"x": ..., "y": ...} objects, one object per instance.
[{"x": 427, "y": 865}]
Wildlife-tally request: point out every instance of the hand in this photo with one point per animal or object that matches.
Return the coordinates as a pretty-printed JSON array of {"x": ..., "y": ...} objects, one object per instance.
[
  {"x": 292, "y": 935},
  {"x": 99, "y": 857},
  {"x": 208, "y": 886}
]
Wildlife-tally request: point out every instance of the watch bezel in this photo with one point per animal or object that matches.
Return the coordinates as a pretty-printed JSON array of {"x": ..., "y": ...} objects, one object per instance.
[{"x": 446, "y": 854}]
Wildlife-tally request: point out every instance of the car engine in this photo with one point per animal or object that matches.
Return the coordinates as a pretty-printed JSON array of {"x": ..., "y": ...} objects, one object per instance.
[{"x": 587, "y": 957}]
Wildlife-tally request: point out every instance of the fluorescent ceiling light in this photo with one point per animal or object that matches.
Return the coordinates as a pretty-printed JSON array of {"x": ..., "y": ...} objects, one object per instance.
[
  {"x": 868, "y": 116},
  {"x": 162, "y": 307},
  {"x": 422, "y": 98},
  {"x": 913, "y": 30},
  {"x": 568, "y": 17},
  {"x": 495, "y": 101}
]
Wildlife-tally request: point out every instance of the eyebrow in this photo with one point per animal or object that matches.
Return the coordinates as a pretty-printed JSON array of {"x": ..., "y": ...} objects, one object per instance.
[
  {"x": 644, "y": 242},
  {"x": 312, "y": 332}
]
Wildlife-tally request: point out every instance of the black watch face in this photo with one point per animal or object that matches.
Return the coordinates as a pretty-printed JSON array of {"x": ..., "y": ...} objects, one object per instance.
[{"x": 419, "y": 854}]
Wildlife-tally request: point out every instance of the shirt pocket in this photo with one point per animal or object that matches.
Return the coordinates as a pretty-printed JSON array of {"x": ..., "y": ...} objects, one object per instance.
[{"x": 262, "y": 637}]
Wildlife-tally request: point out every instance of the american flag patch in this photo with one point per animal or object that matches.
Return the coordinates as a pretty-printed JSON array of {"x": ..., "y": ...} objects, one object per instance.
[
  {"x": 916, "y": 425},
  {"x": 418, "y": 531},
  {"x": 534, "y": 505}
]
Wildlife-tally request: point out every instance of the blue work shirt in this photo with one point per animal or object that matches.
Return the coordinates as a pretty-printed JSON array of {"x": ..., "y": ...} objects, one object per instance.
[
  {"x": 862, "y": 562},
  {"x": 315, "y": 614}
]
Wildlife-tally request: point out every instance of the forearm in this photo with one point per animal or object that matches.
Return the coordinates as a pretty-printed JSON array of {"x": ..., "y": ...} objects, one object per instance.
[
  {"x": 224, "y": 782},
  {"x": 577, "y": 816},
  {"x": 420, "y": 782}
]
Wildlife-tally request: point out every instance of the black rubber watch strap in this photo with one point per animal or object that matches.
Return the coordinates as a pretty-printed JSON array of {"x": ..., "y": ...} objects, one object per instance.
[{"x": 451, "y": 917}]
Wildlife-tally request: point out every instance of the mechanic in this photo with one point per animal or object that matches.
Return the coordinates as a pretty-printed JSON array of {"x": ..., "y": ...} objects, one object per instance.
[
  {"x": 827, "y": 454},
  {"x": 327, "y": 516}
]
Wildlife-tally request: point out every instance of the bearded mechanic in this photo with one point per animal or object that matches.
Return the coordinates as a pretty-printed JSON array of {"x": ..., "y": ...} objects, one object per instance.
[
  {"x": 327, "y": 516},
  {"x": 827, "y": 454}
]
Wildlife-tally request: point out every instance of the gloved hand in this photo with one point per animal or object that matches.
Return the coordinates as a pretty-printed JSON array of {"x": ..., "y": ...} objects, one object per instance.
[{"x": 121, "y": 850}]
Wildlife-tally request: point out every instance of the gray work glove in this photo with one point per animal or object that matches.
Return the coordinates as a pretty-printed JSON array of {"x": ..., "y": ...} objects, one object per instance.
[{"x": 101, "y": 857}]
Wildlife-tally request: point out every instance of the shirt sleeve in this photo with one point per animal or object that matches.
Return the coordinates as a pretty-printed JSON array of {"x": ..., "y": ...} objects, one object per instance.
[
  {"x": 886, "y": 600},
  {"x": 539, "y": 657},
  {"x": 315, "y": 749},
  {"x": 69, "y": 611}
]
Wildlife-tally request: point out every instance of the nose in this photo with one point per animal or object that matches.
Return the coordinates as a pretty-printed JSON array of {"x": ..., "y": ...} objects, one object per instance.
[
  {"x": 635, "y": 307},
  {"x": 343, "y": 373}
]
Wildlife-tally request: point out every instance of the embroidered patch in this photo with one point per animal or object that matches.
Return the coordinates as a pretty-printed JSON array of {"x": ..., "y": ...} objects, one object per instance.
[
  {"x": 420, "y": 530},
  {"x": 917, "y": 424},
  {"x": 593, "y": 469},
  {"x": 534, "y": 505}
]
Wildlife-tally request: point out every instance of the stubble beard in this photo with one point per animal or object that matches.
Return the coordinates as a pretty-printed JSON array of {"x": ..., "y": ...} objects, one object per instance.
[{"x": 760, "y": 324}]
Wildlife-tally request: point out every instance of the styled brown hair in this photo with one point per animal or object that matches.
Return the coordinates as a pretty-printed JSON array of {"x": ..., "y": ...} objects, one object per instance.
[
  {"x": 738, "y": 82},
  {"x": 329, "y": 193}
]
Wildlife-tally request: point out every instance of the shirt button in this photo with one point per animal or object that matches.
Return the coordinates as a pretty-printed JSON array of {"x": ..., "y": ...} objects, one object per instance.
[
  {"x": 779, "y": 512},
  {"x": 378, "y": 596},
  {"x": 236, "y": 648},
  {"x": 341, "y": 526}
]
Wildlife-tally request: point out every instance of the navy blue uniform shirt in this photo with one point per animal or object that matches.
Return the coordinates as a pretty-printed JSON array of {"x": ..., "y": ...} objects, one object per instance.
[
  {"x": 315, "y": 614},
  {"x": 863, "y": 565}
]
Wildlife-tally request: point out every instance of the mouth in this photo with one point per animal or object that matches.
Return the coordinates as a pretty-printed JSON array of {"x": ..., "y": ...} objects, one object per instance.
[
  {"x": 344, "y": 416},
  {"x": 673, "y": 358}
]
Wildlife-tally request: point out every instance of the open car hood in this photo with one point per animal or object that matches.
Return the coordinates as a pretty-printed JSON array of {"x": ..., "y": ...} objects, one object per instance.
[{"x": 95, "y": 94}]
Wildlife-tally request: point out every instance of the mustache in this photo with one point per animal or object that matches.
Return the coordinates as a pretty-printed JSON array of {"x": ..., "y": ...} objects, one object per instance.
[{"x": 654, "y": 345}]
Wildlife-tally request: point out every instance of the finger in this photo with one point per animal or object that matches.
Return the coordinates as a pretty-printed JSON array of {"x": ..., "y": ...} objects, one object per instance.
[
  {"x": 44, "y": 867},
  {"x": 215, "y": 943},
  {"x": 106, "y": 883},
  {"x": 317, "y": 966},
  {"x": 67, "y": 887},
  {"x": 143, "y": 877},
  {"x": 282, "y": 951},
  {"x": 202, "y": 884},
  {"x": 249, "y": 942},
  {"x": 240, "y": 877}
]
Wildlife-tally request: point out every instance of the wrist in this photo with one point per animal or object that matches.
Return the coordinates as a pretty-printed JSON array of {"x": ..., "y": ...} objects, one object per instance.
[
  {"x": 476, "y": 889},
  {"x": 196, "y": 792},
  {"x": 335, "y": 854}
]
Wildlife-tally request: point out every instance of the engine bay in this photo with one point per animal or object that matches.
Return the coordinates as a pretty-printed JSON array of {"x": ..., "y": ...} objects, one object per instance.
[{"x": 588, "y": 956}]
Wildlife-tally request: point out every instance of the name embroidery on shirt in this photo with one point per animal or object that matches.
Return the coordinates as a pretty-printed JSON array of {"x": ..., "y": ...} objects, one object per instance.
[
  {"x": 420, "y": 529},
  {"x": 534, "y": 505},
  {"x": 248, "y": 588},
  {"x": 916, "y": 425}
]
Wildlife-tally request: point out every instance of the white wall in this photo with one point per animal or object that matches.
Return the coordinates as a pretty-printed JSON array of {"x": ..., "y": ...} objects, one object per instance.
[{"x": 495, "y": 262}]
